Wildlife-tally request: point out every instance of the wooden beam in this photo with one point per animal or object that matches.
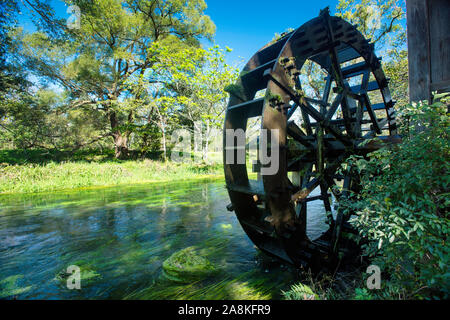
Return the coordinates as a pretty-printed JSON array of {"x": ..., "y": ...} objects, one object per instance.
[
  {"x": 418, "y": 50},
  {"x": 439, "y": 25}
]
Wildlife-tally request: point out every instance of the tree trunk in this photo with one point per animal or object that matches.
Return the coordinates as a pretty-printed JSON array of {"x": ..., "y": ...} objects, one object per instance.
[
  {"x": 120, "y": 146},
  {"x": 206, "y": 149},
  {"x": 120, "y": 139},
  {"x": 164, "y": 143}
]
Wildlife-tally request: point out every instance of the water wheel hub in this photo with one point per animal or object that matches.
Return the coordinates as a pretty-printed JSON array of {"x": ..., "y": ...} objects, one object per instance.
[{"x": 321, "y": 93}]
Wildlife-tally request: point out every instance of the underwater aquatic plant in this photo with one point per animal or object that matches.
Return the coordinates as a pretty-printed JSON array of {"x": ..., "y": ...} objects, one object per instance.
[
  {"x": 187, "y": 265},
  {"x": 9, "y": 287},
  {"x": 87, "y": 273}
]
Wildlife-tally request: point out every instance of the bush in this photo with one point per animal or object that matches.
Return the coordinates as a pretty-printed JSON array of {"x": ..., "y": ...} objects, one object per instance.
[
  {"x": 403, "y": 208},
  {"x": 300, "y": 292}
]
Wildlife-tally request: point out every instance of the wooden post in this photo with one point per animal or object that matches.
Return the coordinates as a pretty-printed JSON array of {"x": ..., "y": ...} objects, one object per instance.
[{"x": 428, "y": 24}]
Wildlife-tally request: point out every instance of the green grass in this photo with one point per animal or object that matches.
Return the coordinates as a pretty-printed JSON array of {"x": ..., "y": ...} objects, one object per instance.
[
  {"x": 54, "y": 176},
  {"x": 38, "y": 156}
]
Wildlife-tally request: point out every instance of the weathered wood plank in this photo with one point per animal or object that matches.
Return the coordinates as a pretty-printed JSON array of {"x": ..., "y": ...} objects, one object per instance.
[
  {"x": 439, "y": 16},
  {"x": 418, "y": 50},
  {"x": 428, "y": 47}
]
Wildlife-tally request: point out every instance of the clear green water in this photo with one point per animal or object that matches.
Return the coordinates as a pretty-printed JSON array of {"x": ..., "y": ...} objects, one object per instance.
[{"x": 121, "y": 236}]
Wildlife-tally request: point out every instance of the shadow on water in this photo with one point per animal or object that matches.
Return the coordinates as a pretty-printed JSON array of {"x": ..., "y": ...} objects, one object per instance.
[{"x": 120, "y": 237}]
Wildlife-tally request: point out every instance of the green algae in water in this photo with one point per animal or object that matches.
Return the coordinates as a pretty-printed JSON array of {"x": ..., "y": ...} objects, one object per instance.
[
  {"x": 121, "y": 245},
  {"x": 9, "y": 287},
  {"x": 247, "y": 286},
  {"x": 226, "y": 226},
  {"x": 133, "y": 255},
  {"x": 187, "y": 265},
  {"x": 87, "y": 274}
]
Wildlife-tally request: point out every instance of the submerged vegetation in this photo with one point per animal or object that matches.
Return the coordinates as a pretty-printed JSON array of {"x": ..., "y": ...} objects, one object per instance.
[
  {"x": 121, "y": 237},
  {"x": 10, "y": 287},
  {"x": 247, "y": 286},
  {"x": 87, "y": 274},
  {"x": 187, "y": 265}
]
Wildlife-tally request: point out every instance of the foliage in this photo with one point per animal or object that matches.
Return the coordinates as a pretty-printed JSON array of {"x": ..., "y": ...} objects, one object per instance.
[
  {"x": 378, "y": 20},
  {"x": 245, "y": 287},
  {"x": 396, "y": 69},
  {"x": 41, "y": 121},
  {"x": 403, "y": 207},
  {"x": 362, "y": 294},
  {"x": 300, "y": 292},
  {"x": 192, "y": 88},
  {"x": 96, "y": 62},
  {"x": 383, "y": 21},
  {"x": 44, "y": 156},
  {"x": 129, "y": 74}
]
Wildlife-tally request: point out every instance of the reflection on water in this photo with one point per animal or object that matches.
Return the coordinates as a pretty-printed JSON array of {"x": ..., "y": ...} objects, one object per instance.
[{"x": 120, "y": 237}]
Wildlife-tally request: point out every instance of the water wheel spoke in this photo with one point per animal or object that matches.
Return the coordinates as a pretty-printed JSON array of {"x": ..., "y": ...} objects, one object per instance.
[
  {"x": 326, "y": 201},
  {"x": 297, "y": 133},
  {"x": 372, "y": 115},
  {"x": 313, "y": 149},
  {"x": 315, "y": 101},
  {"x": 341, "y": 87},
  {"x": 334, "y": 106},
  {"x": 302, "y": 194},
  {"x": 327, "y": 90},
  {"x": 292, "y": 110},
  {"x": 310, "y": 110},
  {"x": 320, "y": 163},
  {"x": 306, "y": 122}
]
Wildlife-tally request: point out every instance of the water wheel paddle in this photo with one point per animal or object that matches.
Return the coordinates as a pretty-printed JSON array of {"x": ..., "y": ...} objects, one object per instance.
[{"x": 316, "y": 134}]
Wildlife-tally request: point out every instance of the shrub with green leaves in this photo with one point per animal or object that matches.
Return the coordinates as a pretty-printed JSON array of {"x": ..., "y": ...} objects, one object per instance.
[
  {"x": 403, "y": 206},
  {"x": 300, "y": 292}
]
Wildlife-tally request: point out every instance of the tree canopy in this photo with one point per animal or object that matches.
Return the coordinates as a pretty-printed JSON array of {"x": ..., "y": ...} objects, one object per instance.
[{"x": 103, "y": 64}]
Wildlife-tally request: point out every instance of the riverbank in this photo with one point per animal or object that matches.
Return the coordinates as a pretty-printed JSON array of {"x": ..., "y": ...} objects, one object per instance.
[{"x": 53, "y": 176}]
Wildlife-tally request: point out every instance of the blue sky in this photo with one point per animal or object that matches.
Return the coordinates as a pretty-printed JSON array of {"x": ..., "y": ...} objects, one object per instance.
[
  {"x": 247, "y": 25},
  {"x": 243, "y": 25}
]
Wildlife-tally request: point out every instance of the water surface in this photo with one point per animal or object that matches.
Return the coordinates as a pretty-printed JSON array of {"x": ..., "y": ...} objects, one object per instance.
[{"x": 120, "y": 237}]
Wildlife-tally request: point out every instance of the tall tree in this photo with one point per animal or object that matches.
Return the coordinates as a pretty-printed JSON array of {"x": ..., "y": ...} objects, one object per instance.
[
  {"x": 194, "y": 80},
  {"x": 378, "y": 20},
  {"x": 384, "y": 22},
  {"x": 97, "y": 61}
]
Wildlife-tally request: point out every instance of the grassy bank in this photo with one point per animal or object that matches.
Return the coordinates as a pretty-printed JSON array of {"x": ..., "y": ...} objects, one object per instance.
[{"x": 53, "y": 176}]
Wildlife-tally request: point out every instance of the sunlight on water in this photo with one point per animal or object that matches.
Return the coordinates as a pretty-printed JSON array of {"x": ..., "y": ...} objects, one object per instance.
[{"x": 121, "y": 236}]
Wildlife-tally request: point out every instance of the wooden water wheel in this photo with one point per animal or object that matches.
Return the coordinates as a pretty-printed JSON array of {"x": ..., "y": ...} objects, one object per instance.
[{"x": 317, "y": 131}]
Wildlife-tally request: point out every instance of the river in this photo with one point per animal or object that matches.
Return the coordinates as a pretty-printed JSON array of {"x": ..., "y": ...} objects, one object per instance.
[{"x": 121, "y": 236}]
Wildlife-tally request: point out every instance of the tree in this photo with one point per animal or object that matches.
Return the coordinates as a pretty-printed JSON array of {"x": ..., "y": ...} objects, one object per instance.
[
  {"x": 378, "y": 20},
  {"x": 14, "y": 96},
  {"x": 383, "y": 21},
  {"x": 194, "y": 80},
  {"x": 97, "y": 62},
  {"x": 9, "y": 77}
]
